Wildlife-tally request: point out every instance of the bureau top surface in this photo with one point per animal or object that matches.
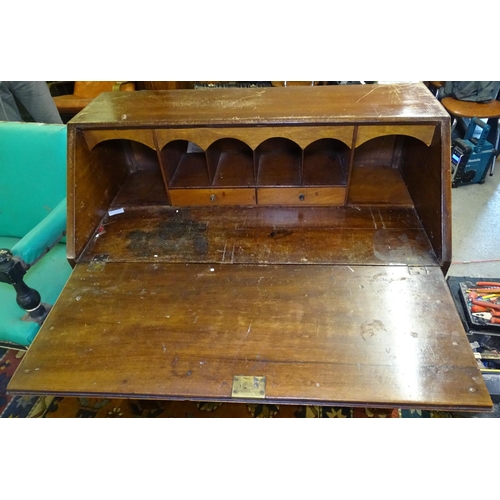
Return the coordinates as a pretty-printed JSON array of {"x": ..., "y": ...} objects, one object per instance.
[{"x": 264, "y": 106}]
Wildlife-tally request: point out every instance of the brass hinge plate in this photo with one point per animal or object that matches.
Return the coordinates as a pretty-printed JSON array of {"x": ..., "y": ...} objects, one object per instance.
[{"x": 249, "y": 387}]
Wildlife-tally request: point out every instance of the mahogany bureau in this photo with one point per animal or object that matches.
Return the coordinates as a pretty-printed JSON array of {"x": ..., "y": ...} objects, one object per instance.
[{"x": 283, "y": 245}]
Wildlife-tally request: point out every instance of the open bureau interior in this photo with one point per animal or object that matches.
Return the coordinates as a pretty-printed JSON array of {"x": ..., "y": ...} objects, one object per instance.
[{"x": 278, "y": 244}]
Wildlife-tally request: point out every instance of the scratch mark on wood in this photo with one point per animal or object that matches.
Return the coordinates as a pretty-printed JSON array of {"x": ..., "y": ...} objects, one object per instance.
[
  {"x": 366, "y": 95},
  {"x": 381, "y": 220},
  {"x": 373, "y": 219},
  {"x": 224, "y": 253},
  {"x": 395, "y": 91},
  {"x": 232, "y": 253}
]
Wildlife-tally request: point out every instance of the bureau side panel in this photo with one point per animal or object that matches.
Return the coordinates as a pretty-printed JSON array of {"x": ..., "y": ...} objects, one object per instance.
[
  {"x": 426, "y": 171},
  {"x": 94, "y": 179}
]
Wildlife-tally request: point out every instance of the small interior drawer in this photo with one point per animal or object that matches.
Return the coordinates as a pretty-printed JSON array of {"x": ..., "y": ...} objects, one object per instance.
[
  {"x": 332, "y": 196},
  {"x": 204, "y": 197}
]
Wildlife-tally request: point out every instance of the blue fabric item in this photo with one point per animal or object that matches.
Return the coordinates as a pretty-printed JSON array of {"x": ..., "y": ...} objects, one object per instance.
[
  {"x": 43, "y": 236},
  {"x": 33, "y": 166},
  {"x": 48, "y": 277}
]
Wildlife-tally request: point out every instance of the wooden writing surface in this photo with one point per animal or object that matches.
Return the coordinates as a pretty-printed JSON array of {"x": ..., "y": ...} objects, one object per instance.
[{"x": 319, "y": 334}]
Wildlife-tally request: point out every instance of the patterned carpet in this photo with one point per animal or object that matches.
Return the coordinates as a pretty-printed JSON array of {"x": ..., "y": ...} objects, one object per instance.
[{"x": 58, "y": 407}]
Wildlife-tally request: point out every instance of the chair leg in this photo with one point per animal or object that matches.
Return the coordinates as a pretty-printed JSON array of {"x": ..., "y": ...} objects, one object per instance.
[
  {"x": 12, "y": 272},
  {"x": 494, "y": 135}
]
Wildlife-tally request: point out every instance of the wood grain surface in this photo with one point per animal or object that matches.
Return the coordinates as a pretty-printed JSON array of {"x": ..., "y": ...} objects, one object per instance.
[
  {"x": 319, "y": 334},
  {"x": 264, "y": 106},
  {"x": 266, "y": 235}
]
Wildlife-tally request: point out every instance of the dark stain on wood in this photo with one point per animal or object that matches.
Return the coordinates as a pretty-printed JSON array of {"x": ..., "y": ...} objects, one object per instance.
[
  {"x": 280, "y": 233},
  {"x": 170, "y": 236}
]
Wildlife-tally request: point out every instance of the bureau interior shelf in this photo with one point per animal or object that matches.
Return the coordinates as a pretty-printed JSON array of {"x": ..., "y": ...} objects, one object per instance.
[
  {"x": 226, "y": 163},
  {"x": 143, "y": 188},
  {"x": 324, "y": 171},
  {"x": 230, "y": 164},
  {"x": 190, "y": 172},
  {"x": 277, "y": 162},
  {"x": 378, "y": 185},
  {"x": 265, "y": 235},
  {"x": 326, "y": 162}
]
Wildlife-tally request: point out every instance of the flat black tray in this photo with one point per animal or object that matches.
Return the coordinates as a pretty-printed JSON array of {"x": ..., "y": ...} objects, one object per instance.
[{"x": 457, "y": 285}]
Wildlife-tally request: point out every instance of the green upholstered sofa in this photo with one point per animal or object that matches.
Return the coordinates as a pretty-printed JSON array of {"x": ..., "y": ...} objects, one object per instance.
[{"x": 32, "y": 219}]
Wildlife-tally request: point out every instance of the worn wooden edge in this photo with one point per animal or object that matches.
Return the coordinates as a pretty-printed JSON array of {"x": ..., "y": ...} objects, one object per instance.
[
  {"x": 144, "y": 136},
  {"x": 446, "y": 253},
  {"x": 303, "y": 136},
  {"x": 343, "y": 104},
  {"x": 263, "y": 401},
  {"x": 70, "y": 198},
  {"x": 423, "y": 133}
]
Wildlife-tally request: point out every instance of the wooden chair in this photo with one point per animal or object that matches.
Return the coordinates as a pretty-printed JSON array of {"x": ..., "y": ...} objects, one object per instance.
[
  {"x": 84, "y": 93},
  {"x": 460, "y": 110}
]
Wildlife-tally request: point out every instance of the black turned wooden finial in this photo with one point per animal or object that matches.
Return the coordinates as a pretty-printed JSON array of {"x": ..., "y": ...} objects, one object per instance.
[{"x": 12, "y": 272}]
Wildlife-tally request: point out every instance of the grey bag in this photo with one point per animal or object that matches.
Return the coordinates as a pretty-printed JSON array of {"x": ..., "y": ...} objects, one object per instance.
[{"x": 471, "y": 91}]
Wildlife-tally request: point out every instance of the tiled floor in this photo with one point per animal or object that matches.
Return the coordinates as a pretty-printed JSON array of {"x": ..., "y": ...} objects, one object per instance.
[{"x": 476, "y": 229}]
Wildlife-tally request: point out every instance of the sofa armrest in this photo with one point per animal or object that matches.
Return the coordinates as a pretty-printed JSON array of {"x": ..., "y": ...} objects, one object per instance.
[
  {"x": 42, "y": 237},
  {"x": 118, "y": 86}
]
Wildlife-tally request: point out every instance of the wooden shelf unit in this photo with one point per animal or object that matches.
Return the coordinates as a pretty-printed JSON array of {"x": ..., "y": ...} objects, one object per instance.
[{"x": 277, "y": 170}]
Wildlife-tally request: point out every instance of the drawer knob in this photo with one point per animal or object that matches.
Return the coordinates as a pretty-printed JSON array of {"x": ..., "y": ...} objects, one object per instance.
[
  {"x": 302, "y": 196},
  {"x": 212, "y": 197}
]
